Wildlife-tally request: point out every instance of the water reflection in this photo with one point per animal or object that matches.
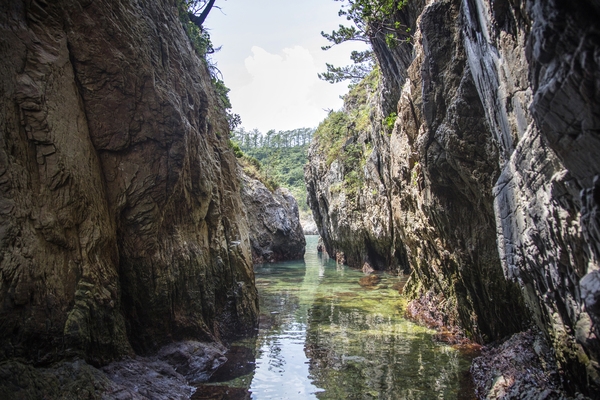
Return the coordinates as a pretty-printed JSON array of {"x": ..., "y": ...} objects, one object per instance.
[{"x": 323, "y": 336}]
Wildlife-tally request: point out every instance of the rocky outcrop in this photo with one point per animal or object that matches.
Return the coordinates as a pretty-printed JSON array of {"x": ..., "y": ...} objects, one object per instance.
[
  {"x": 167, "y": 375},
  {"x": 346, "y": 183},
  {"x": 542, "y": 111},
  {"x": 273, "y": 218},
  {"x": 118, "y": 193},
  {"x": 490, "y": 173}
]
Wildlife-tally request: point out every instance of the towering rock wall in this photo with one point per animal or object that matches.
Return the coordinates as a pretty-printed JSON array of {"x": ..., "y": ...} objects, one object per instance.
[
  {"x": 444, "y": 163},
  {"x": 490, "y": 171},
  {"x": 537, "y": 71},
  {"x": 119, "y": 196}
]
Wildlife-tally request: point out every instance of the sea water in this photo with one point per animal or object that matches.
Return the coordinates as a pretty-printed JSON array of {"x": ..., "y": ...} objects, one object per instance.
[{"x": 324, "y": 336}]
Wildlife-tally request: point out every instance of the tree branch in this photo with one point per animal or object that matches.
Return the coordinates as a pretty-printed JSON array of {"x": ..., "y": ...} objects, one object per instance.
[{"x": 199, "y": 20}]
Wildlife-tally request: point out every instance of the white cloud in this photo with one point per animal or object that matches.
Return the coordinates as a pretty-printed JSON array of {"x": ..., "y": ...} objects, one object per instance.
[{"x": 284, "y": 91}]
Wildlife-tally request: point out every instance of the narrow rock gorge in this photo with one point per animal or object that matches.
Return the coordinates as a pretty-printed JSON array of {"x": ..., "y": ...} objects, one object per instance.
[
  {"x": 122, "y": 227},
  {"x": 474, "y": 167}
]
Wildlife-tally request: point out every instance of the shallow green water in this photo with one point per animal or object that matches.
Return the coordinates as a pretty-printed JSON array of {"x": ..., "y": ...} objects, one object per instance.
[{"x": 323, "y": 336}]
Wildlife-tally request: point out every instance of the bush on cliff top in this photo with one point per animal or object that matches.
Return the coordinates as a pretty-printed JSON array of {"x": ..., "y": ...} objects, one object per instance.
[
  {"x": 336, "y": 137},
  {"x": 200, "y": 41},
  {"x": 339, "y": 126}
]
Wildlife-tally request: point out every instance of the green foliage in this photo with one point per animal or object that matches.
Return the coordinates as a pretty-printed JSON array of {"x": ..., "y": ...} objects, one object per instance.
[
  {"x": 390, "y": 120},
  {"x": 223, "y": 94},
  {"x": 331, "y": 134},
  {"x": 353, "y": 73},
  {"x": 252, "y": 167},
  {"x": 335, "y": 130},
  {"x": 280, "y": 158},
  {"x": 236, "y": 149},
  {"x": 336, "y": 136},
  {"x": 363, "y": 63},
  {"x": 199, "y": 39},
  {"x": 353, "y": 160},
  {"x": 370, "y": 18},
  {"x": 415, "y": 174},
  {"x": 353, "y": 183}
]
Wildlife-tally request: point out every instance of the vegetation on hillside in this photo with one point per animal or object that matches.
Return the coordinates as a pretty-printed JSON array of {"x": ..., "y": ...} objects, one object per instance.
[
  {"x": 275, "y": 158},
  {"x": 336, "y": 136}
]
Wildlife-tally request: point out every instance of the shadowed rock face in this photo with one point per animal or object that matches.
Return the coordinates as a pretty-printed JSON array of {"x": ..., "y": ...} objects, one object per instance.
[
  {"x": 119, "y": 198},
  {"x": 490, "y": 175},
  {"x": 273, "y": 218}
]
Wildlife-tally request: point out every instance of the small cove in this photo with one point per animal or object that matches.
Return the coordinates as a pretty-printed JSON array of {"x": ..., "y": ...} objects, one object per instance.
[{"x": 324, "y": 336}]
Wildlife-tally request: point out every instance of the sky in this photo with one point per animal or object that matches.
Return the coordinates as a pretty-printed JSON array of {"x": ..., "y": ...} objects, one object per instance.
[{"x": 270, "y": 56}]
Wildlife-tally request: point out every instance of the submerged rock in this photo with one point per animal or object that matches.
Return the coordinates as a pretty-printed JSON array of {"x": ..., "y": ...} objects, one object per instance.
[
  {"x": 274, "y": 222},
  {"x": 369, "y": 281}
]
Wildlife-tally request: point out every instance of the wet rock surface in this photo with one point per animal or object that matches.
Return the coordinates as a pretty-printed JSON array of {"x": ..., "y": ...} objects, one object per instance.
[
  {"x": 208, "y": 392},
  {"x": 167, "y": 375},
  {"x": 523, "y": 367},
  {"x": 240, "y": 361},
  {"x": 369, "y": 281},
  {"x": 274, "y": 223}
]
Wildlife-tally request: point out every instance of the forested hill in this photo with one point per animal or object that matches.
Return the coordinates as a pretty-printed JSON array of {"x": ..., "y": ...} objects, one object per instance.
[{"x": 282, "y": 155}]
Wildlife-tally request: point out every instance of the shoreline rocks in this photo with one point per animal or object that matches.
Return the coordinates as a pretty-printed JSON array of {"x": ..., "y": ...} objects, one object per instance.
[
  {"x": 170, "y": 374},
  {"x": 522, "y": 367}
]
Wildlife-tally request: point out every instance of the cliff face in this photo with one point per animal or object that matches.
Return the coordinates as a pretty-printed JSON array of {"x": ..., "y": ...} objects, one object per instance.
[
  {"x": 542, "y": 111},
  {"x": 444, "y": 163},
  {"x": 346, "y": 180},
  {"x": 490, "y": 172},
  {"x": 119, "y": 196},
  {"x": 273, "y": 217}
]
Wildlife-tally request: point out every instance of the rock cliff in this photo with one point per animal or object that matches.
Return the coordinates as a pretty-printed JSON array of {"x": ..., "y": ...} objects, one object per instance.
[
  {"x": 346, "y": 189},
  {"x": 119, "y": 196},
  {"x": 487, "y": 186},
  {"x": 274, "y": 221}
]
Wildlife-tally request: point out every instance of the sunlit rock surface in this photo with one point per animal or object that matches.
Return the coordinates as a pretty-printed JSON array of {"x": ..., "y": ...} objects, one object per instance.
[
  {"x": 353, "y": 216},
  {"x": 490, "y": 174},
  {"x": 273, "y": 220},
  {"x": 119, "y": 196}
]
